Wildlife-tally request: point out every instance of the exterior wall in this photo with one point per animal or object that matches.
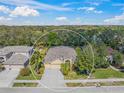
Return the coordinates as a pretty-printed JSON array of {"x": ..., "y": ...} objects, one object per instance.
[
  {"x": 57, "y": 62},
  {"x": 52, "y": 66}
]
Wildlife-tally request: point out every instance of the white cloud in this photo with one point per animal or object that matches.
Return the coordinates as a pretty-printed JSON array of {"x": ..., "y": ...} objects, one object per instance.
[
  {"x": 116, "y": 19},
  {"x": 70, "y": 3},
  {"x": 34, "y": 4},
  {"x": 90, "y": 10},
  {"x": 4, "y": 9},
  {"x": 86, "y": 8},
  {"x": 2, "y": 18},
  {"x": 62, "y": 18},
  {"x": 93, "y": 3},
  {"x": 98, "y": 12},
  {"x": 24, "y": 11}
]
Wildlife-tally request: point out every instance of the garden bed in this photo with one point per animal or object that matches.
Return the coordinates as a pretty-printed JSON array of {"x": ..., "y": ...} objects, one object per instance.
[
  {"x": 25, "y": 84},
  {"x": 73, "y": 75},
  {"x": 97, "y": 84}
]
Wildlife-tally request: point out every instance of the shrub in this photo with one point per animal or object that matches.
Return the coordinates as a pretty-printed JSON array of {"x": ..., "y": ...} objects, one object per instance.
[
  {"x": 101, "y": 62},
  {"x": 25, "y": 72},
  {"x": 117, "y": 59},
  {"x": 65, "y": 68},
  {"x": 41, "y": 70}
]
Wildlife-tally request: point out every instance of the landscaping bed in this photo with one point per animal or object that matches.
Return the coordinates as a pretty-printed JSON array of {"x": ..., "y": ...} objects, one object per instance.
[
  {"x": 29, "y": 77},
  {"x": 73, "y": 75},
  {"x": 97, "y": 84},
  {"x": 25, "y": 84}
]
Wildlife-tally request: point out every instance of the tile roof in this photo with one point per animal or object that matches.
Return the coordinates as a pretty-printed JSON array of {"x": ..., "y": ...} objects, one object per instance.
[
  {"x": 16, "y": 59},
  {"x": 61, "y": 53},
  {"x": 17, "y": 49}
]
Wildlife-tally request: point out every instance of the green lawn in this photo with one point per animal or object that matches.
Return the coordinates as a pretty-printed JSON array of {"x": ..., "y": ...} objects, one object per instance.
[
  {"x": 73, "y": 75},
  {"x": 98, "y": 74},
  {"x": 107, "y": 73},
  {"x": 25, "y": 84}
]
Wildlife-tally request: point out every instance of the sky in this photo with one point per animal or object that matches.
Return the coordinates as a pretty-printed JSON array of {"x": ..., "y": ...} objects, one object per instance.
[{"x": 61, "y": 12}]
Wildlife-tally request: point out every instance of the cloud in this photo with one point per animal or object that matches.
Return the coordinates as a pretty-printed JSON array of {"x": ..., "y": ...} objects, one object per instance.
[
  {"x": 115, "y": 19},
  {"x": 24, "y": 11},
  {"x": 34, "y": 4},
  {"x": 2, "y": 18},
  {"x": 90, "y": 10},
  {"x": 62, "y": 18},
  {"x": 70, "y": 3},
  {"x": 4, "y": 9},
  {"x": 94, "y": 3}
]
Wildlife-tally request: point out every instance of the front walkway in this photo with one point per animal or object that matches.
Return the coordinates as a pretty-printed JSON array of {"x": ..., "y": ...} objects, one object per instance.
[{"x": 52, "y": 78}]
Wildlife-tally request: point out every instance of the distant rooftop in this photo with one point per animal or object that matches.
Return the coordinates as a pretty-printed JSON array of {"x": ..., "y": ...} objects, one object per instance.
[
  {"x": 18, "y": 49},
  {"x": 61, "y": 53}
]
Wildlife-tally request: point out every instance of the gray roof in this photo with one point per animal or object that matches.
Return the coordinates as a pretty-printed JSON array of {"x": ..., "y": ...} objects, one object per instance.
[
  {"x": 16, "y": 59},
  {"x": 61, "y": 53},
  {"x": 3, "y": 53},
  {"x": 17, "y": 49}
]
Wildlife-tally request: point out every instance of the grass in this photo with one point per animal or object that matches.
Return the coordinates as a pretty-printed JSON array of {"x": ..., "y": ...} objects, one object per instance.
[
  {"x": 107, "y": 73},
  {"x": 73, "y": 75},
  {"x": 30, "y": 77},
  {"x": 25, "y": 84},
  {"x": 98, "y": 74},
  {"x": 118, "y": 83}
]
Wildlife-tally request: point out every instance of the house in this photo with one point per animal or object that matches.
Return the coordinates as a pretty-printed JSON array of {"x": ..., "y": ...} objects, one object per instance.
[
  {"x": 60, "y": 54},
  {"x": 15, "y": 56},
  {"x": 4, "y": 55},
  {"x": 24, "y": 50}
]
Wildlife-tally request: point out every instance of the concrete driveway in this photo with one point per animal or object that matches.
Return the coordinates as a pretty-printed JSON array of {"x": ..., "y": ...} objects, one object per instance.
[
  {"x": 7, "y": 77},
  {"x": 52, "y": 78}
]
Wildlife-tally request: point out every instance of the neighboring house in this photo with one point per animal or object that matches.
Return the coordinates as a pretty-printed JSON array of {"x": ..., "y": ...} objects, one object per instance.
[
  {"x": 24, "y": 50},
  {"x": 15, "y": 55},
  {"x": 59, "y": 54},
  {"x": 17, "y": 60},
  {"x": 4, "y": 56}
]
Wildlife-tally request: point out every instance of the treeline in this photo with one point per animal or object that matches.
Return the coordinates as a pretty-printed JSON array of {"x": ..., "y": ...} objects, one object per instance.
[{"x": 19, "y": 35}]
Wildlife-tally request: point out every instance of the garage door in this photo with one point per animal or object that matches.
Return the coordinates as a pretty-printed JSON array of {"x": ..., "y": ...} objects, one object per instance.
[{"x": 51, "y": 66}]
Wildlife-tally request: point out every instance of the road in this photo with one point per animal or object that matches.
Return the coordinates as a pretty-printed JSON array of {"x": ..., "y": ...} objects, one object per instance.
[
  {"x": 7, "y": 77},
  {"x": 64, "y": 90}
]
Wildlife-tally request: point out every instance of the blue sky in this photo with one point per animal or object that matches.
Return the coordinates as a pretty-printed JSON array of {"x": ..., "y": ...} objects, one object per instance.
[{"x": 61, "y": 12}]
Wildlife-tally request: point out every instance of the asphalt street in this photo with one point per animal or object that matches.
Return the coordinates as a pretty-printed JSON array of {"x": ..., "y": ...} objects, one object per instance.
[{"x": 64, "y": 90}]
